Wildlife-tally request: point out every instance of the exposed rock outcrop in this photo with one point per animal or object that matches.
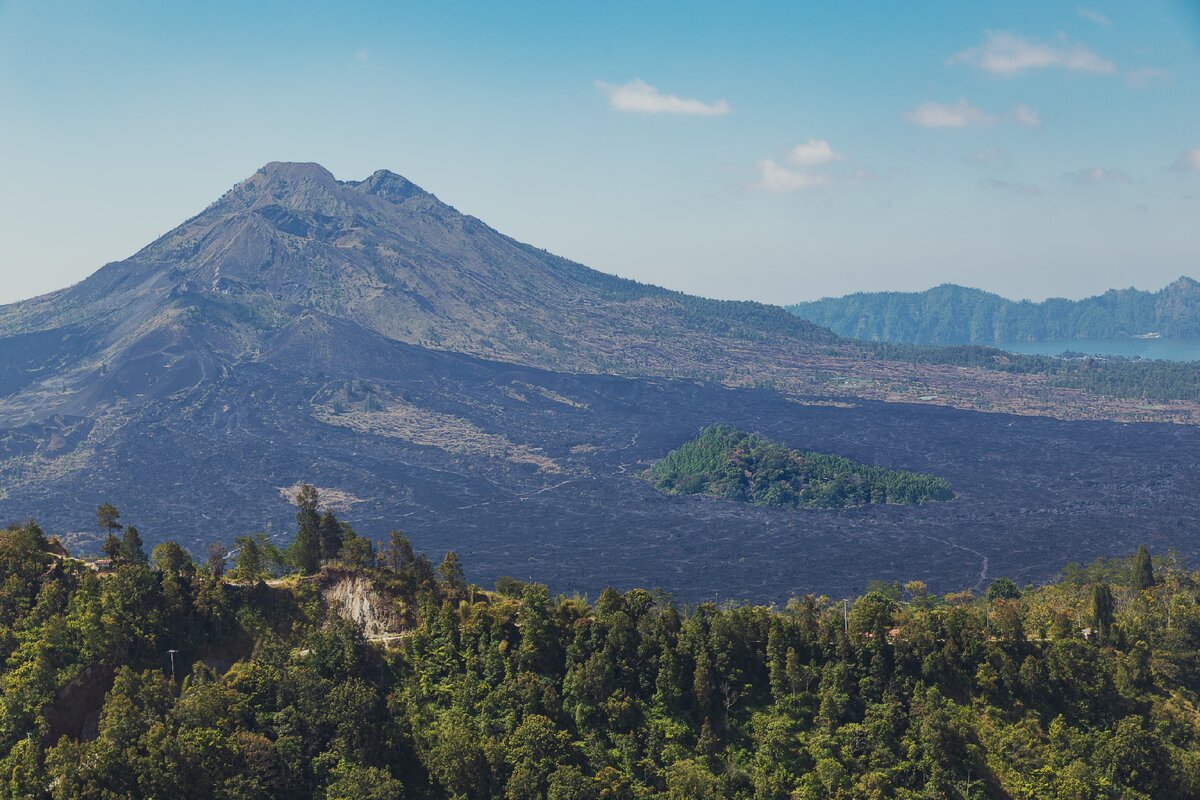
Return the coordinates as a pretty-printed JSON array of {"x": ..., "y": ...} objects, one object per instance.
[{"x": 353, "y": 596}]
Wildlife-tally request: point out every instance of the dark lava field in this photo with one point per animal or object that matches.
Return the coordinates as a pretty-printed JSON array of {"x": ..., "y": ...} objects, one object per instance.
[{"x": 1032, "y": 493}]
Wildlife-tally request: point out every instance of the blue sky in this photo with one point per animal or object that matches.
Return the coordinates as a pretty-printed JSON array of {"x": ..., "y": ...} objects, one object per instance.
[{"x": 770, "y": 151}]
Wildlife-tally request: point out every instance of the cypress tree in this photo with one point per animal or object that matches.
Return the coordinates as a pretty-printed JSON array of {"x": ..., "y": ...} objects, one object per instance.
[
  {"x": 331, "y": 536},
  {"x": 306, "y": 548},
  {"x": 1143, "y": 569},
  {"x": 704, "y": 688},
  {"x": 1102, "y": 610}
]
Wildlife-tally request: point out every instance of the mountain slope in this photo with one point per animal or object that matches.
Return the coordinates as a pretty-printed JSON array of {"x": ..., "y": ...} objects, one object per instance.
[
  {"x": 389, "y": 256},
  {"x": 950, "y": 314}
]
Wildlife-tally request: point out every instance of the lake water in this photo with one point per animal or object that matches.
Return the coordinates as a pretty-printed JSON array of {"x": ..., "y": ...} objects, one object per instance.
[{"x": 1167, "y": 349}]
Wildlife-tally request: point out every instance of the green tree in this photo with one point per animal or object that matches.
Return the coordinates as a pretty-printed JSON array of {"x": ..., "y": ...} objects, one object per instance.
[
  {"x": 1135, "y": 757},
  {"x": 254, "y": 559},
  {"x": 692, "y": 780},
  {"x": 1143, "y": 569},
  {"x": 216, "y": 558},
  {"x": 107, "y": 518},
  {"x": 535, "y": 750},
  {"x": 112, "y": 548},
  {"x": 358, "y": 552},
  {"x": 1103, "y": 611},
  {"x": 456, "y": 757},
  {"x": 331, "y": 536},
  {"x": 1003, "y": 589},
  {"x": 132, "y": 549},
  {"x": 400, "y": 554},
  {"x": 353, "y": 781},
  {"x": 452, "y": 572},
  {"x": 169, "y": 557},
  {"x": 306, "y": 550}
]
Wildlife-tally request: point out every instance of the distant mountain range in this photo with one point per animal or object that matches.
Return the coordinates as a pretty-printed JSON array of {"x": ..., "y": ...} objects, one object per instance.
[
  {"x": 425, "y": 370},
  {"x": 950, "y": 314}
]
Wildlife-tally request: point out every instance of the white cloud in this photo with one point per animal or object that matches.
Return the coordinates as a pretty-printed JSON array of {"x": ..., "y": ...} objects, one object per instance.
[
  {"x": 778, "y": 179},
  {"x": 1026, "y": 117},
  {"x": 1007, "y": 54},
  {"x": 1095, "y": 175},
  {"x": 942, "y": 115},
  {"x": 1144, "y": 76},
  {"x": 964, "y": 115},
  {"x": 813, "y": 153},
  {"x": 1092, "y": 15},
  {"x": 1010, "y": 187},
  {"x": 640, "y": 97},
  {"x": 1188, "y": 161}
]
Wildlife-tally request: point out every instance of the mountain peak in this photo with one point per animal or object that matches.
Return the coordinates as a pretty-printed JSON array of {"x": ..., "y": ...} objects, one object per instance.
[
  {"x": 296, "y": 185},
  {"x": 390, "y": 186},
  {"x": 295, "y": 171}
]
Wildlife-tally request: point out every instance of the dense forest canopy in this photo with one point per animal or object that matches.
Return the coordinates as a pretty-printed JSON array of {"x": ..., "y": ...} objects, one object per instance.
[
  {"x": 724, "y": 462},
  {"x": 1083, "y": 689},
  {"x": 951, "y": 314}
]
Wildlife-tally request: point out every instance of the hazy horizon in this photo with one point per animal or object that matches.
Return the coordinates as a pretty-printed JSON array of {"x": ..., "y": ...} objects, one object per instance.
[{"x": 781, "y": 154}]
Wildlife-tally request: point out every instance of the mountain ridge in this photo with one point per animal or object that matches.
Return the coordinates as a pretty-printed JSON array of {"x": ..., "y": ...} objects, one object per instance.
[{"x": 951, "y": 314}]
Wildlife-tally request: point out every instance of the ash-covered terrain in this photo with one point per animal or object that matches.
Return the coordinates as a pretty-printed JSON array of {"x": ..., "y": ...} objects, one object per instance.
[
  {"x": 304, "y": 329},
  {"x": 536, "y": 474}
]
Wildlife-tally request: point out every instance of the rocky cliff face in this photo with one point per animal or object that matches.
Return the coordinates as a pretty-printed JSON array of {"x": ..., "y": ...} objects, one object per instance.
[{"x": 354, "y": 597}]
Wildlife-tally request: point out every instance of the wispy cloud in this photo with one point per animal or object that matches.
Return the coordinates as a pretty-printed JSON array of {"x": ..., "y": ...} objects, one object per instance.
[
  {"x": 989, "y": 155},
  {"x": 362, "y": 54},
  {"x": 1010, "y": 187},
  {"x": 1144, "y": 76},
  {"x": 805, "y": 161},
  {"x": 813, "y": 153},
  {"x": 1092, "y": 15},
  {"x": 1026, "y": 117},
  {"x": 1007, "y": 54},
  {"x": 1096, "y": 175},
  {"x": 964, "y": 115},
  {"x": 1188, "y": 161},
  {"x": 778, "y": 179},
  {"x": 637, "y": 96},
  {"x": 949, "y": 115}
]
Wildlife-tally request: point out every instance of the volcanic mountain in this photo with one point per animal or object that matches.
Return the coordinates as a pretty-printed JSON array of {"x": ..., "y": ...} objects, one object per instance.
[
  {"x": 427, "y": 371},
  {"x": 383, "y": 254}
]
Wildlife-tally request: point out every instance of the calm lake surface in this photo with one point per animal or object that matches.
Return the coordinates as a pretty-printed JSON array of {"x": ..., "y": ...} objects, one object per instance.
[{"x": 1167, "y": 349}]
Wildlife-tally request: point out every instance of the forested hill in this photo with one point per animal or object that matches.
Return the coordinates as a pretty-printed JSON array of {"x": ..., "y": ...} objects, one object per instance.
[
  {"x": 365, "y": 673},
  {"x": 950, "y": 314},
  {"x": 725, "y": 462}
]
